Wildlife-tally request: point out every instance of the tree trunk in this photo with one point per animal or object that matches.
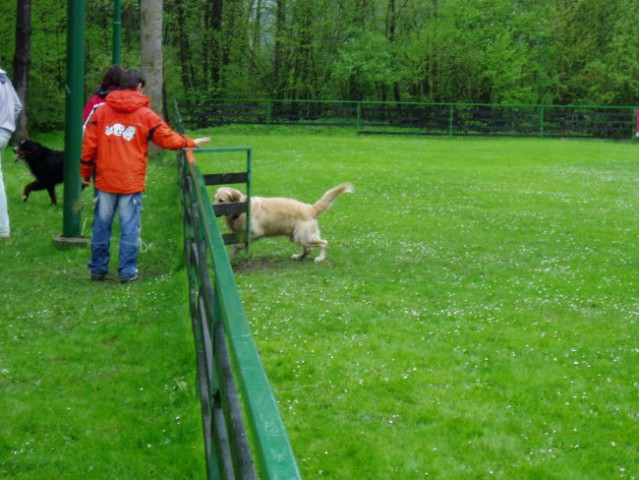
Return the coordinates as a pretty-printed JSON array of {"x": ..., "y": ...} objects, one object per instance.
[
  {"x": 152, "y": 66},
  {"x": 188, "y": 76},
  {"x": 22, "y": 63},
  {"x": 279, "y": 79},
  {"x": 391, "y": 33},
  {"x": 215, "y": 24},
  {"x": 151, "y": 46}
]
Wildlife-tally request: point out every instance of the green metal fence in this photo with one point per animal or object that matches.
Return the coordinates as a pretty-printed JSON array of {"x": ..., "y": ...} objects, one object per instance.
[
  {"x": 415, "y": 118},
  {"x": 243, "y": 431}
]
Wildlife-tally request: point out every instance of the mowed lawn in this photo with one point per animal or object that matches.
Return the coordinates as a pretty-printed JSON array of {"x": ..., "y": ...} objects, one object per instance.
[{"x": 476, "y": 317}]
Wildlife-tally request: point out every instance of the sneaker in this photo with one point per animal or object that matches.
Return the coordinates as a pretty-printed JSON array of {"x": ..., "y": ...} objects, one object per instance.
[
  {"x": 98, "y": 277},
  {"x": 128, "y": 279}
]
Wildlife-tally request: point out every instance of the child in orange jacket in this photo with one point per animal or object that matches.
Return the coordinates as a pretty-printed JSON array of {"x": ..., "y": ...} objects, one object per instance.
[{"x": 115, "y": 151}]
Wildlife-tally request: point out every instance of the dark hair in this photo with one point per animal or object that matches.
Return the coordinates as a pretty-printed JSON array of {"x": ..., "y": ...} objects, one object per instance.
[
  {"x": 111, "y": 78},
  {"x": 131, "y": 79}
]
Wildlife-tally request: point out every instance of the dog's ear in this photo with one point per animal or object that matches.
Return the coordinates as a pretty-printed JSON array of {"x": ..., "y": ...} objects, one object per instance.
[{"x": 235, "y": 195}]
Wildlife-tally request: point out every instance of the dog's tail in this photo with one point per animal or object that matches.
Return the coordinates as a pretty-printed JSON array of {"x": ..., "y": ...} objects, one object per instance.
[{"x": 323, "y": 203}]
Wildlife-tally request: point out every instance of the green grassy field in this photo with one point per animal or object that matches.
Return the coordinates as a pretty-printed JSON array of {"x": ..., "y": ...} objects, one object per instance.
[
  {"x": 96, "y": 379},
  {"x": 476, "y": 317}
]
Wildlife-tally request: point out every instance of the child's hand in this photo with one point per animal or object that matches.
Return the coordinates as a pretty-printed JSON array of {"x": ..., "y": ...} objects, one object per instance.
[{"x": 197, "y": 141}]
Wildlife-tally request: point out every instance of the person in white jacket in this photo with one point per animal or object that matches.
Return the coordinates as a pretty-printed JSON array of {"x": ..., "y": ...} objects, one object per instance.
[{"x": 10, "y": 108}]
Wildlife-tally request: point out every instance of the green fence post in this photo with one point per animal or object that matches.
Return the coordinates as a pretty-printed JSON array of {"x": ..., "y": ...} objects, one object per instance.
[
  {"x": 71, "y": 228},
  {"x": 451, "y": 116},
  {"x": 269, "y": 107},
  {"x": 117, "y": 33},
  {"x": 249, "y": 163}
]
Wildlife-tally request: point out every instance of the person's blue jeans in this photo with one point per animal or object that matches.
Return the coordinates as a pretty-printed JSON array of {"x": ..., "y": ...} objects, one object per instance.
[{"x": 130, "y": 210}]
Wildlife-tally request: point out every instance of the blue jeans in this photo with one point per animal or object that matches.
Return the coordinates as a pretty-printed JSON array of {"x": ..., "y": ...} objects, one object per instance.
[{"x": 130, "y": 209}]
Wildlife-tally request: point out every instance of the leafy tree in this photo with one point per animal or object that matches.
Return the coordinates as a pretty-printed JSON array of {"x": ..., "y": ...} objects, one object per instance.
[
  {"x": 596, "y": 50},
  {"x": 366, "y": 67},
  {"x": 492, "y": 51}
]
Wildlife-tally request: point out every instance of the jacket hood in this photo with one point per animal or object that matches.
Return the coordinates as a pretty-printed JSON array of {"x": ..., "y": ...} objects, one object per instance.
[{"x": 127, "y": 101}]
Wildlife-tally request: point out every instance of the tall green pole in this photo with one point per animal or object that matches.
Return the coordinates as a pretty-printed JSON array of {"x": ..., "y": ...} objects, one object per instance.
[
  {"x": 117, "y": 33},
  {"x": 71, "y": 228}
]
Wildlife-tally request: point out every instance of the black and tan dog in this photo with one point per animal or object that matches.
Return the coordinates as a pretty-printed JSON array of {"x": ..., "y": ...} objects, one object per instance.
[{"x": 46, "y": 165}]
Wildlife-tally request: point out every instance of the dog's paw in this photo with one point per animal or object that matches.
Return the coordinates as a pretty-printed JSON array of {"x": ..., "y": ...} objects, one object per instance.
[{"x": 25, "y": 198}]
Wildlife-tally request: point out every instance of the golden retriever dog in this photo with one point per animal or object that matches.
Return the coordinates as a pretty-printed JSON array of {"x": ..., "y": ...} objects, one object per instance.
[{"x": 271, "y": 217}]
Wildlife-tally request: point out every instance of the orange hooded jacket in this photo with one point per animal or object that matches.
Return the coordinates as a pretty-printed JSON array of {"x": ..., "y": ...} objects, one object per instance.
[{"x": 116, "y": 142}]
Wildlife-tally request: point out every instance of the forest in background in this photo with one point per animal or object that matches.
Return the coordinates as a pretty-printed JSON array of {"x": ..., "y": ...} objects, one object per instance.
[{"x": 563, "y": 52}]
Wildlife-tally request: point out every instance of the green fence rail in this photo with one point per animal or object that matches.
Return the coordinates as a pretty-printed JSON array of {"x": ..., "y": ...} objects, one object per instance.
[
  {"x": 416, "y": 118},
  {"x": 244, "y": 434}
]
